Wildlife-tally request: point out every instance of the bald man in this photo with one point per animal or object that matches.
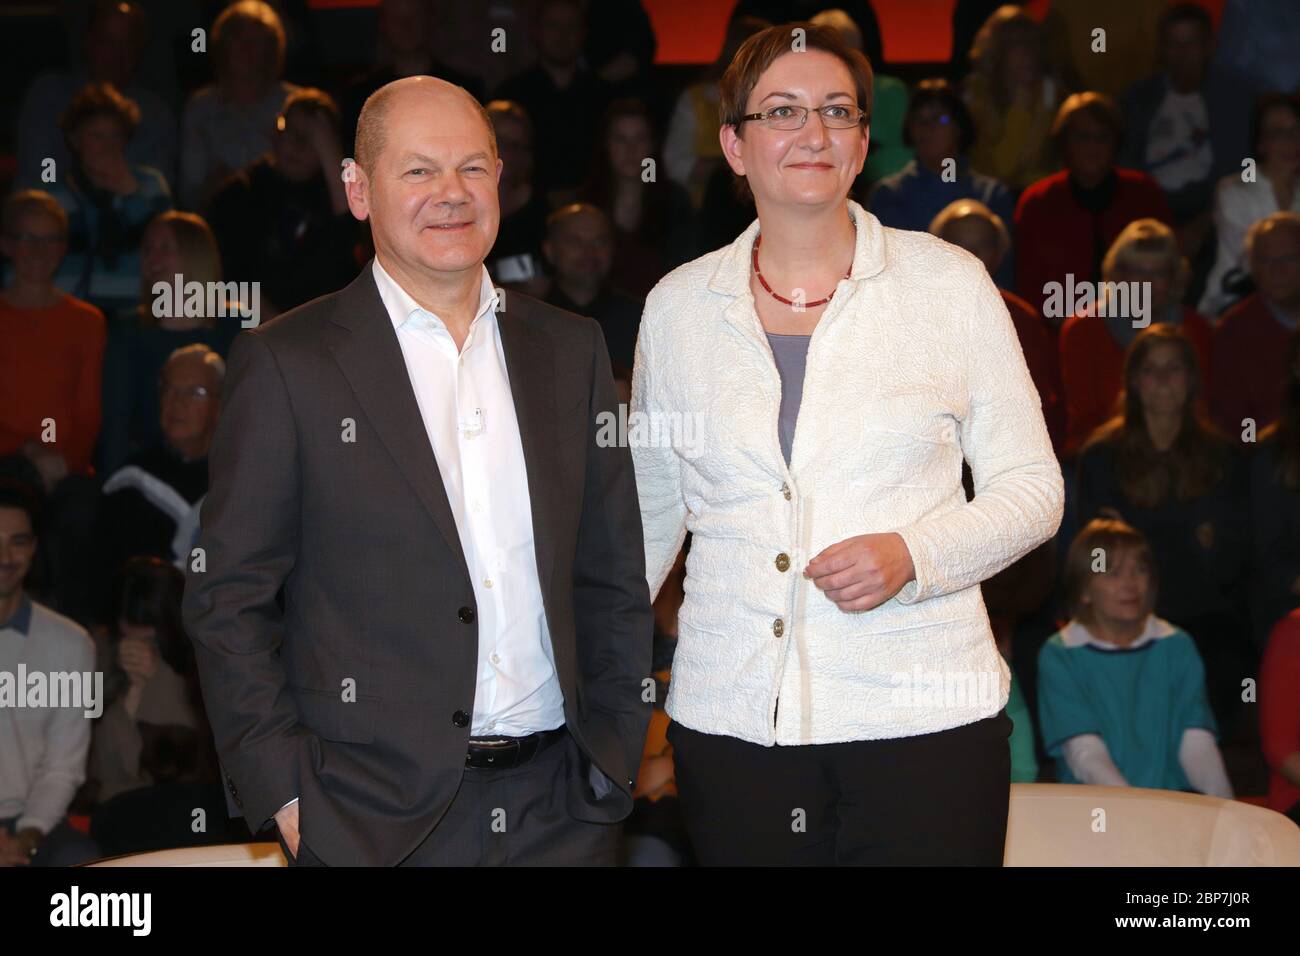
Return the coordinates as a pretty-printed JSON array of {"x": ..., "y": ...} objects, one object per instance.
[{"x": 418, "y": 600}]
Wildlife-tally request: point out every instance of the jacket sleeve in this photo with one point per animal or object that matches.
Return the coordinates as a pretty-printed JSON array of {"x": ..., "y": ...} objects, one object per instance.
[
  {"x": 1019, "y": 491},
  {"x": 249, "y": 536},
  {"x": 658, "y": 472}
]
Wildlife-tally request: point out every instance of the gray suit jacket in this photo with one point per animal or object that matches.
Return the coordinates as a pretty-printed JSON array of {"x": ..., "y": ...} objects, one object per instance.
[{"x": 329, "y": 564}]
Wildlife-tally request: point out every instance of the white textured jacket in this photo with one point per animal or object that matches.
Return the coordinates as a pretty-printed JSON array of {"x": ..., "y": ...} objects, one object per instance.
[{"x": 914, "y": 364}]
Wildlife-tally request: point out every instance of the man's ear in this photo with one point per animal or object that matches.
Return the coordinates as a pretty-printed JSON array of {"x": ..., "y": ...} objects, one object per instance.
[
  {"x": 357, "y": 186},
  {"x": 732, "y": 149}
]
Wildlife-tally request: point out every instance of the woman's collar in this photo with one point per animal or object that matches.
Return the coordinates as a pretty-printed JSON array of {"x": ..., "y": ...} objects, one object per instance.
[{"x": 1076, "y": 634}]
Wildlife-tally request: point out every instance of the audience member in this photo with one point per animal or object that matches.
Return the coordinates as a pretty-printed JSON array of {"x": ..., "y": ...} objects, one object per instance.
[{"x": 1279, "y": 715}]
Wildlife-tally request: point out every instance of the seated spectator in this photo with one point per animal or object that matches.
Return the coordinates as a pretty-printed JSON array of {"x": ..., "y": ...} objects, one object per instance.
[
  {"x": 406, "y": 33},
  {"x": 578, "y": 245},
  {"x": 229, "y": 123},
  {"x": 1012, "y": 96},
  {"x": 516, "y": 258},
  {"x": 1121, "y": 691},
  {"x": 941, "y": 130},
  {"x": 1275, "y": 186},
  {"x": 151, "y": 502},
  {"x": 1164, "y": 470},
  {"x": 692, "y": 150},
  {"x": 176, "y": 243},
  {"x": 1250, "y": 339},
  {"x": 1024, "y": 763},
  {"x": 979, "y": 230},
  {"x": 1186, "y": 126},
  {"x": 44, "y": 748},
  {"x": 1279, "y": 715},
  {"x": 1131, "y": 30},
  {"x": 1066, "y": 222},
  {"x": 150, "y": 683},
  {"x": 654, "y": 228},
  {"x": 112, "y": 49},
  {"x": 620, "y": 47},
  {"x": 1093, "y": 345},
  {"x": 887, "y": 151},
  {"x": 284, "y": 222},
  {"x": 108, "y": 200},
  {"x": 562, "y": 96},
  {"x": 1275, "y": 505},
  {"x": 53, "y": 349}
]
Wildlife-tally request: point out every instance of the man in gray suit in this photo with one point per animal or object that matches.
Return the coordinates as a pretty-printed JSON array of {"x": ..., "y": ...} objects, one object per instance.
[{"x": 418, "y": 598}]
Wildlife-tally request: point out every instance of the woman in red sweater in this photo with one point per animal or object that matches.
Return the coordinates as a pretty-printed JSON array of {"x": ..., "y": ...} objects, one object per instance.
[
  {"x": 1092, "y": 345},
  {"x": 1066, "y": 222},
  {"x": 1279, "y": 715}
]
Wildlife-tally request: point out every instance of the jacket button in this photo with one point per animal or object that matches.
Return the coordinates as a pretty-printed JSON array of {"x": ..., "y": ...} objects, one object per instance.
[
  {"x": 778, "y": 627},
  {"x": 466, "y": 615},
  {"x": 783, "y": 562},
  {"x": 460, "y": 718},
  {"x": 785, "y": 490}
]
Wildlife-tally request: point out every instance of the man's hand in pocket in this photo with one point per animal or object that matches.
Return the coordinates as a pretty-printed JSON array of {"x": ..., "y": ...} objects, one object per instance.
[{"x": 286, "y": 818}]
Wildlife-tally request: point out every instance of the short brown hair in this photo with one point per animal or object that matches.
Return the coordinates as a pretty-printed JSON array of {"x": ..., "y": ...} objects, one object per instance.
[
  {"x": 311, "y": 100},
  {"x": 100, "y": 99},
  {"x": 19, "y": 204},
  {"x": 1099, "y": 106},
  {"x": 762, "y": 49},
  {"x": 1113, "y": 537},
  {"x": 257, "y": 16}
]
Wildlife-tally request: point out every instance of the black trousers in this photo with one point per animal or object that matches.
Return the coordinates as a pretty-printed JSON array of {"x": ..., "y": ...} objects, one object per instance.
[
  {"x": 935, "y": 799},
  {"x": 513, "y": 817}
]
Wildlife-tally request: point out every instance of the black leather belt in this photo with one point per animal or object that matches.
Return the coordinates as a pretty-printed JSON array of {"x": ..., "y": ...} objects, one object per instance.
[{"x": 500, "y": 753}]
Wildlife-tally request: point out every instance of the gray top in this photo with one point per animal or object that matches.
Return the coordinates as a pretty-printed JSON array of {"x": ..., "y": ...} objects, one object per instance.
[{"x": 791, "y": 354}]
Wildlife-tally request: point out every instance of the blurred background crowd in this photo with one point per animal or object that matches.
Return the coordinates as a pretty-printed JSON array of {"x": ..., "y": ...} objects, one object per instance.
[{"x": 129, "y": 157}]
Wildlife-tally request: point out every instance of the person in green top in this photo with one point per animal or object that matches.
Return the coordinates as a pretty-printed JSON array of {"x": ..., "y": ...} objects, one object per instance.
[{"x": 1121, "y": 692}]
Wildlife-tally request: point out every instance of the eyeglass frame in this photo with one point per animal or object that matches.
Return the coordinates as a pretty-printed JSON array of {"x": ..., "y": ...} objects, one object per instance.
[{"x": 808, "y": 111}]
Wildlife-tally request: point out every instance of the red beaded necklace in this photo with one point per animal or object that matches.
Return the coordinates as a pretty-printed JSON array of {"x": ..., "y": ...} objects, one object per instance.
[{"x": 758, "y": 241}]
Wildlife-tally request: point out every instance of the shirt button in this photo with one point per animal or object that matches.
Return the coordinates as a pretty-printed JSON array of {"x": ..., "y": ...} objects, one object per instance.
[
  {"x": 783, "y": 562},
  {"x": 778, "y": 627},
  {"x": 465, "y": 615},
  {"x": 487, "y": 582},
  {"x": 495, "y": 659},
  {"x": 785, "y": 490}
]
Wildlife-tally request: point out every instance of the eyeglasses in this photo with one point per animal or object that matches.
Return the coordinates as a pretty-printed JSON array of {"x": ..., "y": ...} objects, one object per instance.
[
  {"x": 834, "y": 116},
  {"x": 193, "y": 393}
]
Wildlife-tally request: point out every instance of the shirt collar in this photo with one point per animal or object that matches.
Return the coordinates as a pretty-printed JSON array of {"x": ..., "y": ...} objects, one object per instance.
[
  {"x": 731, "y": 277},
  {"x": 1076, "y": 634},
  {"x": 401, "y": 306},
  {"x": 22, "y": 618}
]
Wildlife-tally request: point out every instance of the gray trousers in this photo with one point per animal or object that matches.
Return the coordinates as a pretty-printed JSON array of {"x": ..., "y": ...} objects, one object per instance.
[{"x": 514, "y": 817}]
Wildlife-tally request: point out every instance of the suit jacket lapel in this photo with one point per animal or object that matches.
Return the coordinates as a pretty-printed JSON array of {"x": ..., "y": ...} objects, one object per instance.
[
  {"x": 530, "y": 362},
  {"x": 371, "y": 359}
]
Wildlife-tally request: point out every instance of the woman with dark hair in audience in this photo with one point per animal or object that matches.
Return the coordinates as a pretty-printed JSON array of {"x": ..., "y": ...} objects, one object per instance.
[
  {"x": 1275, "y": 505},
  {"x": 176, "y": 243},
  {"x": 1275, "y": 145},
  {"x": 152, "y": 762},
  {"x": 109, "y": 201},
  {"x": 1066, "y": 222},
  {"x": 228, "y": 124},
  {"x": 1121, "y": 690},
  {"x": 1012, "y": 96},
  {"x": 284, "y": 221},
  {"x": 940, "y": 128},
  {"x": 1162, "y": 468},
  {"x": 1093, "y": 341},
  {"x": 654, "y": 225}
]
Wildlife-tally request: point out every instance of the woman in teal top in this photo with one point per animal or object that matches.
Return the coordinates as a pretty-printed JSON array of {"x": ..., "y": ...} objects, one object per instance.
[{"x": 1121, "y": 692}]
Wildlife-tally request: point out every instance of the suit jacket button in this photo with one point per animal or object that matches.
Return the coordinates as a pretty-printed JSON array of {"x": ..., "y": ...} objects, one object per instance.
[
  {"x": 466, "y": 615},
  {"x": 460, "y": 718}
]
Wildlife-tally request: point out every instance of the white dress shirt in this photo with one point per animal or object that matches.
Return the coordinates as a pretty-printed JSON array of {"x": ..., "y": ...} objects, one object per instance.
[{"x": 469, "y": 414}]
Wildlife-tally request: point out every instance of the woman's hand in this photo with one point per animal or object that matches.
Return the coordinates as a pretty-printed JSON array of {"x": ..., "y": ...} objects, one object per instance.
[{"x": 862, "y": 572}]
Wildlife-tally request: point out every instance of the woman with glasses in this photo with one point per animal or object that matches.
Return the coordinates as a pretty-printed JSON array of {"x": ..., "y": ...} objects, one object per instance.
[{"x": 803, "y": 400}]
